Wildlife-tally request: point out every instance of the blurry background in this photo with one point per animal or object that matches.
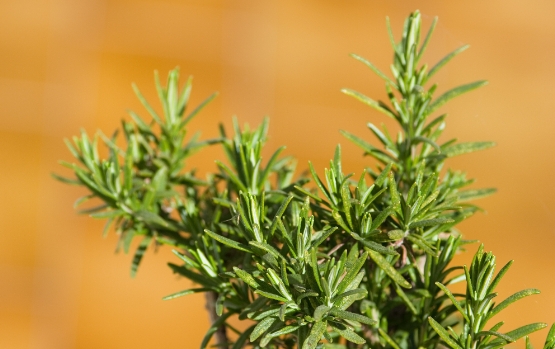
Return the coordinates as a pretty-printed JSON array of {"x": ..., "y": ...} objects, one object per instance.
[{"x": 69, "y": 64}]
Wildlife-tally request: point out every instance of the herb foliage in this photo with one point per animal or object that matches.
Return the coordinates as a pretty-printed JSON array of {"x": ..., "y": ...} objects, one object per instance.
[{"x": 344, "y": 263}]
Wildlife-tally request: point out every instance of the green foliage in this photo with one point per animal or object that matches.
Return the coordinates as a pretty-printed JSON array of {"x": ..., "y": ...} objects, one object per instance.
[
  {"x": 478, "y": 308},
  {"x": 342, "y": 263}
]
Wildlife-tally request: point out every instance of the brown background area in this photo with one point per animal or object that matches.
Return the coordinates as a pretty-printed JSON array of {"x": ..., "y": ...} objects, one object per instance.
[{"x": 69, "y": 64}]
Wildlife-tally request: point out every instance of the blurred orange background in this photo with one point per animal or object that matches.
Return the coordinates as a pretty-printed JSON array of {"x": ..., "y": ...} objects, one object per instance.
[{"x": 69, "y": 64}]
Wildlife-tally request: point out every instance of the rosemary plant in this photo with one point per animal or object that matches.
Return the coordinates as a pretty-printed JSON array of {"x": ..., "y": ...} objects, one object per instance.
[{"x": 343, "y": 263}]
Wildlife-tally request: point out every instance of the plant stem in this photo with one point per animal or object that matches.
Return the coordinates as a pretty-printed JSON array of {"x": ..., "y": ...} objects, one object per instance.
[{"x": 221, "y": 333}]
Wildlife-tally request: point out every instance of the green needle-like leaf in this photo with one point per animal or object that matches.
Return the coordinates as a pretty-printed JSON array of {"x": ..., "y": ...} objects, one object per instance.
[
  {"x": 453, "y": 300},
  {"x": 446, "y": 59},
  {"x": 443, "y": 334},
  {"x": 316, "y": 332},
  {"x": 464, "y": 148},
  {"x": 510, "y": 300},
  {"x": 389, "y": 269},
  {"x": 228, "y": 242},
  {"x": 347, "y": 315},
  {"x": 374, "y": 69},
  {"x": 350, "y": 335},
  {"x": 517, "y": 334},
  {"x": 246, "y": 277},
  {"x": 262, "y": 327},
  {"x": 457, "y": 91},
  {"x": 473, "y": 194},
  {"x": 186, "y": 292},
  {"x": 430, "y": 222},
  {"x": 139, "y": 255},
  {"x": 368, "y": 101}
]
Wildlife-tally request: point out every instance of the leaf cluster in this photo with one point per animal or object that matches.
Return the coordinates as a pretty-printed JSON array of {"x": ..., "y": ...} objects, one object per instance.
[{"x": 336, "y": 263}]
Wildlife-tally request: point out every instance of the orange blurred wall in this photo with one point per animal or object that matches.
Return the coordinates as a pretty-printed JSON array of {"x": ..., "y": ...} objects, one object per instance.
[{"x": 69, "y": 64}]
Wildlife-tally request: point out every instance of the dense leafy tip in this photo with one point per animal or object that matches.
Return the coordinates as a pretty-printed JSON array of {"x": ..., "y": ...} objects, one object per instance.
[{"x": 343, "y": 262}]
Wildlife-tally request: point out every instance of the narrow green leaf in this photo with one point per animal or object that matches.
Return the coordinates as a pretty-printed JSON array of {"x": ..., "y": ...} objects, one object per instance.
[
  {"x": 390, "y": 34},
  {"x": 513, "y": 298},
  {"x": 383, "y": 138},
  {"x": 374, "y": 69},
  {"x": 305, "y": 295},
  {"x": 107, "y": 227},
  {"x": 349, "y": 335},
  {"x": 320, "y": 312},
  {"x": 141, "y": 125},
  {"x": 65, "y": 180},
  {"x": 323, "y": 236},
  {"x": 262, "y": 327},
  {"x": 374, "y": 246},
  {"x": 145, "y": 104},
  {"x": 162, "y": 96},
  {"x": 457, "y": 91},
  {"x": 430, "y": 222},
  {"x": 464, "y": 148},
  {"x": 314, "y": 272},
  {"x": 228, "y": 242},
  {"x": 280, "y": 332},
  {"x": 319, "y": 183},
  {"x": 359, "y": 292},
  {"x": 339, "y": 220},
  {"x": 269, "y": 167},
  {"x": 198, "y": 109},
  {"x": 389, "y": 269},
  {"x": 396, "y": 234},
  {"x": 369, "y": 101},
  {"x": 351, "y": 316},
  {"x": 406, "y": 299},
  {"x": 499, "y": 276},
  {"x": 423, "y": 244},
  {"x": 126, "y": 238},
  {"x": 152, "y": 218},
  {"x": 550, "y": 339},
  {"x": 445, "y": 60},
  {"x": 267, "y": 248},
  {"x": 382, "y": 216},
  {"x": 388, "y": 339},
  {"x": 271, "y": 296},
  {"x": 346, "y": 203},
  {"x": 425, "y": 43},
  {"x": 82, "y": 199},
  {"x": 107, "y": 214},
  {"x": 473, "y": 194},
  {"x": 496, "y": 334},
  {"x": 520, "y": 332},
  {"x": 246, "y": 277},
  {"x": 423, "y": 139},
  {"x": 453, "y": 300},
  {"x": 186, "y": 292},
  {"x": 353, "y": 272},
  {"x": 232, "y": 176},
  {"x": 185, "y": 94},
  {"x": 431, "y": 124},
  {"x": 393, "y": 192},
  {"x": 316, "y": 332},
  {"x": 381, "y": 179},
  {"x": 311, "y": 195},
  {"x": 139, "y": 255},
  {"x": 443, "y": 334},
  {"x": 195, "y": 277}
]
